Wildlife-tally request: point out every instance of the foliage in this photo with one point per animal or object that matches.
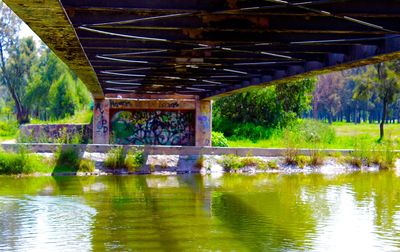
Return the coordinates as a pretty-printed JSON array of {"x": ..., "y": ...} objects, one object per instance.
[
  {"x": 134, "y": 159},
  {"x": 22, "y": 162},
  {"x": 272, "y": 164},
  {"x": 8, "y": 128},
  {"x": 67, "y": 159},
  {"x": 80, "y": 117},
  {"x": 38, "y": 83},
  {"x": 268, "y": 107},
  {"x": 218, "y": 139},
  {"x": 314, "y": 132},
  {"x": 86, "y": 165},
  {"x": 200, "y": 162},
  {"x": 115, "y": 158},
  {"x": 233, "y": 162}
]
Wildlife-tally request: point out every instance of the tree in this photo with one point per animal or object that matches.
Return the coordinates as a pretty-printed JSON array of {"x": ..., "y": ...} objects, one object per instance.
[
  {"x": 382, "y": 80},
  {"x": 9, "y": 43},
  {"x": 275, "y": 106}
]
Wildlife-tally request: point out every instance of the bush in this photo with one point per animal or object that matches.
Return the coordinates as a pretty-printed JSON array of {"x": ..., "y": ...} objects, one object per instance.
[
  {"x": 86, "y": 165},
  {"x": 8, "y": 128},
  {"x": 134, "y": 160},
  {"x": 218, "y": 139},
  {"x": 231, "y": 162},
  {"x": 115, "y": 158},
  {"x": 67, "y": 159},
  {"x": 315, "y": 132},
  {"x": 199, "y": 162},
  {"x": 272, "y": 165},
  {"x": 317, "y": 158},
  {"x": 22, "y": 162}
]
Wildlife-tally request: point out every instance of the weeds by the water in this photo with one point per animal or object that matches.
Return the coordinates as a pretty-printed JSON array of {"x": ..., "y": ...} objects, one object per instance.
[
  {"x": 86, "y": 165},
  {"x": 233, "y": 162},
  {"x": 23, "y": 162},
  {"x": 67, "y": 159},
  {"x": 382, "y": 154},
  {"x": 200, "y": 162},
  {"x": 115, "y": 158},
  {"x": 134, "y": 160}
]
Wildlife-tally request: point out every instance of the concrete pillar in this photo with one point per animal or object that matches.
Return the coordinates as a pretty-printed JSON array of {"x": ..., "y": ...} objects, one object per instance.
[
  {"x": 101, "y": 122},
  {"x": 203, "y": 123}
]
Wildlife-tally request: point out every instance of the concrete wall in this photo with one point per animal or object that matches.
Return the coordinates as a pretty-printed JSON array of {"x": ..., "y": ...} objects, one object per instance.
[
  {"x": 168, "y": 150},
  {"x": 53, "y": 133},
  {"x": 181, "y": 120}
]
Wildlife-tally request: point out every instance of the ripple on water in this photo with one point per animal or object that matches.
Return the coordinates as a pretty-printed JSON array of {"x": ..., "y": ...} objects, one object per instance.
[{"x": 45, "y": 223}]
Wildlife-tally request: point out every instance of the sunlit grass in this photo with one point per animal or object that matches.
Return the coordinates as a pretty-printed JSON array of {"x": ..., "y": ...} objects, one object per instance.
[
  {"x": 347, "y": 136},
  {"x": 84, "y": 116}
]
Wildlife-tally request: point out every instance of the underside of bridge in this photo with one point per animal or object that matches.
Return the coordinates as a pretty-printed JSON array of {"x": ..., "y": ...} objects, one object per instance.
[{"x": 153, "y": 66}]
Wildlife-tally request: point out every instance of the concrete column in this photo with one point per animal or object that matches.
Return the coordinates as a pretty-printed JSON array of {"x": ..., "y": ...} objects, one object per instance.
[
  {"x": 203, "y": 123},
  {"x": 101, "y": 122}
]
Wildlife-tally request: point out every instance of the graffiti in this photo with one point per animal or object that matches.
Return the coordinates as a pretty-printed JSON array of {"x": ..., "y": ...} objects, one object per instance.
[
  {"x": 119, "y": 104},
  {"x": 54, "y": 133},
  {"x": 204, "y": 122},
  {"x": 153, "y": 127},
  {"x": 101, "y": 124},
  {"x": 169, "y": 105}
]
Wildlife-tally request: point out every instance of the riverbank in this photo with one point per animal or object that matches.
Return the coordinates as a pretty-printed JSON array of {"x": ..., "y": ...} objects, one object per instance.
[{"x": 82, "y": 160}]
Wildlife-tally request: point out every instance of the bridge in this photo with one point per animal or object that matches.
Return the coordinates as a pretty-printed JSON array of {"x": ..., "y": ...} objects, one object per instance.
[{"x": 154, "y": 66}]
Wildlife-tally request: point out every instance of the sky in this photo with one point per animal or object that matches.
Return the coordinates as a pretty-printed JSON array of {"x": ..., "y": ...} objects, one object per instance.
[{"x": 26, "y": 32}]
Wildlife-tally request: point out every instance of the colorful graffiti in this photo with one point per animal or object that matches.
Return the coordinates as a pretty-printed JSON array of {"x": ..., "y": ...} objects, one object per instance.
[
  {"x": 153, "y": 127},
  {"x": 101, "y": 123}
]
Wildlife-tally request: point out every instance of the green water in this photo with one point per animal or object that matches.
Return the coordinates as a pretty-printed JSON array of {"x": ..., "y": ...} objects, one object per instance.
[{"x": 267, "y": 212}]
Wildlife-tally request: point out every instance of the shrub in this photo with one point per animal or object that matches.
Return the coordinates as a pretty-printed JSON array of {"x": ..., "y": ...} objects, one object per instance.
[
  {"x": 218, "y": 139},
  {"x": 8, "y": 128},
  {"x": 315, "y": 132},
  {"x": 199, "y": 162},
  {"x": 86, "y": 165},
  {"x": 134, "y": 159},
  {"x": 272, "y": 164},
  {"x": 115, "y": 158},
  {"x": 317, "y": 158},
  {"x": 67, "y": 159},
  {"x": 231, "y": 162},
  {"x": 22, "y": 162},
  {"x": 302, "y": 161}
]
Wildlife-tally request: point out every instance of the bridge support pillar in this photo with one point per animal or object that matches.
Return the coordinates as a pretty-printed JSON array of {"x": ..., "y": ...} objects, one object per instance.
[
  {"x": 203, "y": 123},
  {"x": 101, "y": 122},
  {"x": 152, "y": 120}
]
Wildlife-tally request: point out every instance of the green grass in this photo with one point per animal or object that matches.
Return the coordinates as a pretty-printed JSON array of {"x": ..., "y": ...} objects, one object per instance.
[
  {"x": 84, "y": 116},
  {"x": 8, "y": 130},
  {"x": 347, "y": 136},
  {"x": 23, "y": 162}
]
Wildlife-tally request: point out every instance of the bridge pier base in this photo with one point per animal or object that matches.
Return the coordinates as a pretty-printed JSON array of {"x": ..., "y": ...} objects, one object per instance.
[{"x": 181, "y": 120}]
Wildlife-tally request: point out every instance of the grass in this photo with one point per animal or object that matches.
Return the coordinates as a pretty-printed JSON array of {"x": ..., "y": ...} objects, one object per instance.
[
  {"x": 347, "y": 135},
  {"x": 8, "y": 130},
  {"x": 134, "y": 160},
  {"x": 115, "y": 158},
  {"x": 84, "y": 117},
  {"x": 23, "y": 162}
]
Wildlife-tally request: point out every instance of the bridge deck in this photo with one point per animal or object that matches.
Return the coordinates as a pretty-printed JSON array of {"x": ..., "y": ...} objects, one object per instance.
[{"x": 210, "y": 48}]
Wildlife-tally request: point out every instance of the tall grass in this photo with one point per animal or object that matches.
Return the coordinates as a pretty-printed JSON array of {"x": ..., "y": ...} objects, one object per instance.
[
  {"x": 115, "y": 158},
  {"x": 23, "y": 162},
  {"x": 134, "y": 160}
]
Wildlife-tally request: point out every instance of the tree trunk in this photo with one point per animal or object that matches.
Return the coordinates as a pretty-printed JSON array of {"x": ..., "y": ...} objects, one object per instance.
[
  {"x": 22, "y": 115},
  {"x": 384, "y": 115}
]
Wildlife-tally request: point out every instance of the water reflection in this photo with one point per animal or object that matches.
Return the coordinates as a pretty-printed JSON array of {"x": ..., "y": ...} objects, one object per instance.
[
  {"x": 358, "y": 211},
  {"x": 42, "y": 223}
]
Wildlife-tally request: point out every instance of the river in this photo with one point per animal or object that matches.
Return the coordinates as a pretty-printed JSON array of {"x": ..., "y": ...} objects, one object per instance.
[{"x": 358, "y": 211}]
